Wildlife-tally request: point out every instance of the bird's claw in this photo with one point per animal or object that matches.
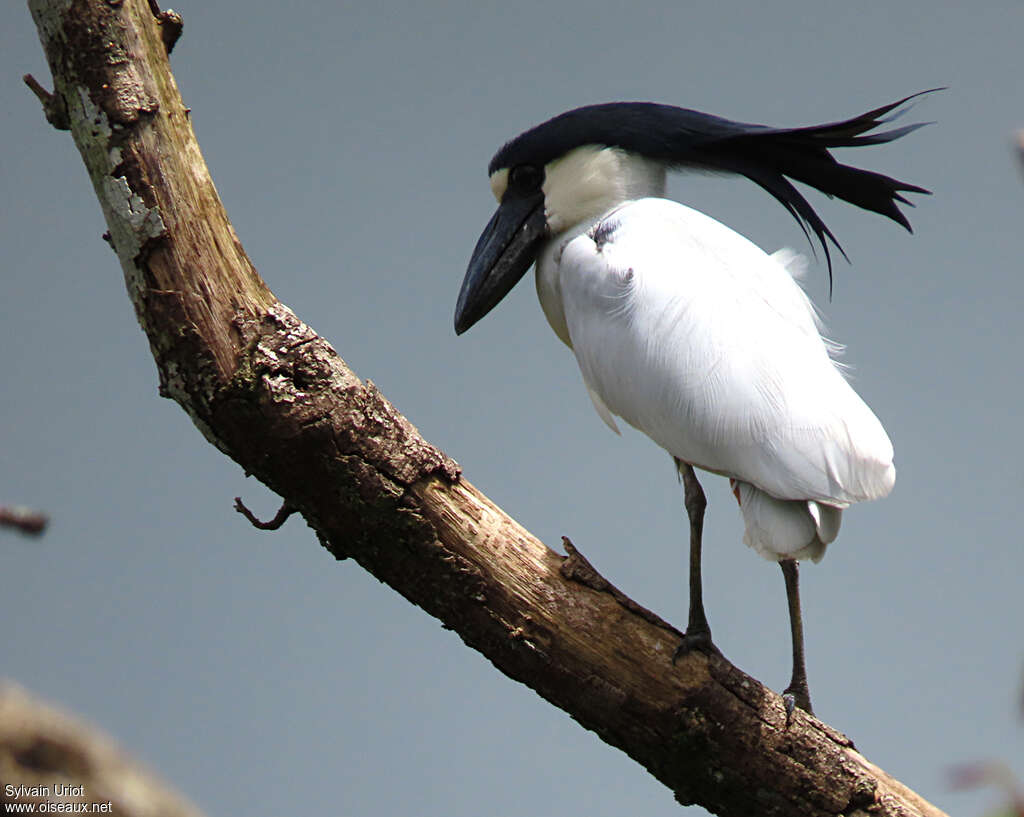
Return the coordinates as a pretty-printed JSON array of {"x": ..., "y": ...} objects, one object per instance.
[
  {"x": 789, "y": 700},
  {"x": 796, "y": 698},
  {"x": 699, "y": 641}
]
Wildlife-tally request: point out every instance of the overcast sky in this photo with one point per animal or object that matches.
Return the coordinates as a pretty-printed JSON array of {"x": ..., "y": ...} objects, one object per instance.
[{"x": 349, "y": 143}]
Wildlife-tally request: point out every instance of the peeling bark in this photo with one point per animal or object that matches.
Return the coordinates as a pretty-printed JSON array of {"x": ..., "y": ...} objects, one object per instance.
[{"x": 276, "y": 398}]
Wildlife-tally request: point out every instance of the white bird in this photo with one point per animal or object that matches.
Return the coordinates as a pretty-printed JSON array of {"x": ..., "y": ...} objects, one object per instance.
[{"x": 686, "y": 330}]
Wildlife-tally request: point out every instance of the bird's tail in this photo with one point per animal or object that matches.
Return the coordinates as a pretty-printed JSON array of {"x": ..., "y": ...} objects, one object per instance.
[{"x": 785, "y": 528}]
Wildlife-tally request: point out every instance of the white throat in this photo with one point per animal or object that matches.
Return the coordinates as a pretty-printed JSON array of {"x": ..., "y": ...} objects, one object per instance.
[
  {"x": 579, "y": 189},
  {"x": 589, "y": 181}
]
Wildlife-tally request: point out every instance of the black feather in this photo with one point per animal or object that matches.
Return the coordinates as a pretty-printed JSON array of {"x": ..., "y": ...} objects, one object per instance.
[{"x": 769, "y": 157}]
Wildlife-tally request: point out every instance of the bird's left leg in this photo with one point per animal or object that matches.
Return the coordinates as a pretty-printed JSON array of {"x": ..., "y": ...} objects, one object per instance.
[
  {"x": 698, "y": 632},
  {"x": 797, "y": 693}
]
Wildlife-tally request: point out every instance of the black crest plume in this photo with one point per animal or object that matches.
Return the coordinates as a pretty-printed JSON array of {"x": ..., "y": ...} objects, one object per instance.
[{"x": 769, "y": 157}]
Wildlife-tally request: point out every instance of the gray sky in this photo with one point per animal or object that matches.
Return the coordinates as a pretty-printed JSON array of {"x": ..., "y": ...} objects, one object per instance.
[{"x": 350, "y": 146}]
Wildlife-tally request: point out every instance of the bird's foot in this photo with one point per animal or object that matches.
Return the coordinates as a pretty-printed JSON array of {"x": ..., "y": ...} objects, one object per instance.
[
  {"x": 796, "y": 695},
  {"x": 694, "y": 639}
]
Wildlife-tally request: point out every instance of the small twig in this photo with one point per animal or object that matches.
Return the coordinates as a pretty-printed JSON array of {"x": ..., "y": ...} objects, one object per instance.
[
  {"x": 23, "y": 519},
  {"x": 171, "y": 25},
  {"x": 54, "y": 109},
  {"x": 33, "y": 84},
  {"x": 279, "y": 519}
]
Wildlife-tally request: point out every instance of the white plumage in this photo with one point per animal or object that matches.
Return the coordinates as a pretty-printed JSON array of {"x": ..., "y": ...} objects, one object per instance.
[
  {"x": 685, "y": 329},
  {"x": 696, "y": 337}
]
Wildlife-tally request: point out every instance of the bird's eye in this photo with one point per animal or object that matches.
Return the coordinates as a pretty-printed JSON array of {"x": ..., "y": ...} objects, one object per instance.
[{"x": 525, "y": 178}]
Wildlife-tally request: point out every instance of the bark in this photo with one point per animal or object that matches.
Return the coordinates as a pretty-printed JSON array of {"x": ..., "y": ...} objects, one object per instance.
[{"x": 276, "y": 398}]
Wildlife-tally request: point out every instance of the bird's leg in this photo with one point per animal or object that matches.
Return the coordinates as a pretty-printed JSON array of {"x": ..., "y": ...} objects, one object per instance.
[
  {"x": 698, "y": 633},
  {"x": 797, "y": 693}
]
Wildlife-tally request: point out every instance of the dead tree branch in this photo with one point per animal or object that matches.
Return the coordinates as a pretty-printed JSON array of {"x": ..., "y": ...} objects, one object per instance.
[
  {"x": 23, "y": 519},
  {"x": 50, "y": 760},
  {"x": 274, "y": 396},
  {"x": 279, "y": 519}
]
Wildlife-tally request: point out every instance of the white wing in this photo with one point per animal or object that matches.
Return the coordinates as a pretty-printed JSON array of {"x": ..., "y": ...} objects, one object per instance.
[{"x": 698, "y": 338}]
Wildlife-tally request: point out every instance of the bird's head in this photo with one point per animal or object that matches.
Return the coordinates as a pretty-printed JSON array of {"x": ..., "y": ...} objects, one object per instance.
[
  {"x": 575, "y": 167},
  {"x": 541, "y": 194}
]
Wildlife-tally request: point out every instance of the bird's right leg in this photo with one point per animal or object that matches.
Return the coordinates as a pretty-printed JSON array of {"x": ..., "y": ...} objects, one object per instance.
[
  {"x": 797, "y": 693},
  {"x": 698, "y": 633}
]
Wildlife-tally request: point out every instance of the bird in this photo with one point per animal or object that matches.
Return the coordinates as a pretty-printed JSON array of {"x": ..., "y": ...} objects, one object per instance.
[{"x": 688, "y": 331}]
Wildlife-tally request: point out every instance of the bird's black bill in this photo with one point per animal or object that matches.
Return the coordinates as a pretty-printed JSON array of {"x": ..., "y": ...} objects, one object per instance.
[{"x": 505, "y": 251}]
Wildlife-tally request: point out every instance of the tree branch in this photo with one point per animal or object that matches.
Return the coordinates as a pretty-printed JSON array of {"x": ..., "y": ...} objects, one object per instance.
[
  {"x": 23, "y": 519},
  {"x": 276, "y": 398},
  {"x": 42, "y": 748},
  {"x": 279, "y": 519}
]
